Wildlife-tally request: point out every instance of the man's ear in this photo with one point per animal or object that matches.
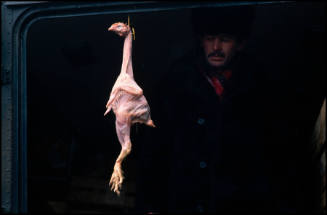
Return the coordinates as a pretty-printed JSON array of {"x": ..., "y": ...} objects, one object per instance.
[
  {"x": 199, "y": 40},
  {"x": 241, "y": 45}
]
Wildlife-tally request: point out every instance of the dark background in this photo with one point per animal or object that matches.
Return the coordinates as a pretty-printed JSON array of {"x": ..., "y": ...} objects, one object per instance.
[{"x": 72, "y": 64}]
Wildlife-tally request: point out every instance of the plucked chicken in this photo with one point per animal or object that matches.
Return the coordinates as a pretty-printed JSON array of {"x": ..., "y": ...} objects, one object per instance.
[{"x": 128, "y": 104}]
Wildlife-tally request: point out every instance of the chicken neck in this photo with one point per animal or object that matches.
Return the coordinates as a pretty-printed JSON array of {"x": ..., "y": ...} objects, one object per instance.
[{"x": 127, "y": 55}]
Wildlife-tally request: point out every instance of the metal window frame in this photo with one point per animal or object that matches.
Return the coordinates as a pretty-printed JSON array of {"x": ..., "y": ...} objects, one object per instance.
[{"x": 17, "y": 18}]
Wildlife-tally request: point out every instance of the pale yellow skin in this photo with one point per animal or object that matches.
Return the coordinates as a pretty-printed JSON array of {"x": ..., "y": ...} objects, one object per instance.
[{"x": 128, "y": 103}]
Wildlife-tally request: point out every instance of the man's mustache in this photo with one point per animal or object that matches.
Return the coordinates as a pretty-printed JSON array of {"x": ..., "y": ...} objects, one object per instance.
[{"x": 216, "y": 54}]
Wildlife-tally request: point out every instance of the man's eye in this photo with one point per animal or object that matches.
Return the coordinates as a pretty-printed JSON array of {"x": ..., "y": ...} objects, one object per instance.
[
  {"x": 209, "y": 38},
  {"x": 226, "y": 39}
]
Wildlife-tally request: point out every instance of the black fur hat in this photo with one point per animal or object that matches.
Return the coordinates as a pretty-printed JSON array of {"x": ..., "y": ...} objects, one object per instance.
[{"x": 234, "y": 20}]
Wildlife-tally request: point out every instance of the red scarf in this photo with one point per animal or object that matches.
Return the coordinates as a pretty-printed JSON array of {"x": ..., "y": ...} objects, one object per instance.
[{"x": 214, "y": 81}]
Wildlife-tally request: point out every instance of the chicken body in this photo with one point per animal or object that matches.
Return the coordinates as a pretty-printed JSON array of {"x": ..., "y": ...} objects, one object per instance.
[{"x": 128, "y": 104}]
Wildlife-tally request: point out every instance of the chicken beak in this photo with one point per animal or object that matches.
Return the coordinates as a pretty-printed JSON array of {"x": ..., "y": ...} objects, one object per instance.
[{"x": 110, "y": 29}]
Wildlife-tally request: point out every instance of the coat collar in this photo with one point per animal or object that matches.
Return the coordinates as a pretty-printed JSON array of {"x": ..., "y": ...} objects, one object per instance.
[{"x": 238, "y": 85}]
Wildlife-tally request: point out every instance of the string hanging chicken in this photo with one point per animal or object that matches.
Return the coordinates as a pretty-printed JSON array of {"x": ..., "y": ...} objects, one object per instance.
[{"x": 127, "y": 102}]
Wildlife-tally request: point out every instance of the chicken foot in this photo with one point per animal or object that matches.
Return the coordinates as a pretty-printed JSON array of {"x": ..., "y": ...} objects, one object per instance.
[{"x": 123, "y": 131}]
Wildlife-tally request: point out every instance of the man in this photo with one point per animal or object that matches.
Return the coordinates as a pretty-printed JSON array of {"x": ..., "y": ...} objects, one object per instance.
[
  {"x": 222, "y": 143},
  {"x": 222, "y": 34},
  {"x": 205, "y": 155}
]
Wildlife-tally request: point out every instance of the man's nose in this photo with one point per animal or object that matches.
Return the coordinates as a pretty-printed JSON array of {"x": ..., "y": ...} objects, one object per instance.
[{"x": 217, "y": 44}]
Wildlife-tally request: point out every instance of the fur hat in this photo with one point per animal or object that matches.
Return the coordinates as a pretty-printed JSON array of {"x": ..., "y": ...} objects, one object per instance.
[{"x": 232, "y": 20}]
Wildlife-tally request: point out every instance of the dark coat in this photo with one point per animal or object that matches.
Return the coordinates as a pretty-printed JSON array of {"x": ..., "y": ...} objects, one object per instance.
[
  {"x": 216, "y": 152},
  {"x": 205, "y": 153}
]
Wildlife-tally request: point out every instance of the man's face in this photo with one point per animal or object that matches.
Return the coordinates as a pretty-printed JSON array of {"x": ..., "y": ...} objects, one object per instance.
[{"x": 220, "y": 49}]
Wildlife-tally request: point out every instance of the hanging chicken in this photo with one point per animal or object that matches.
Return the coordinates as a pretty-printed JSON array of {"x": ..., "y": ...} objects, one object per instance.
[{"x": 127, "y": 102}]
